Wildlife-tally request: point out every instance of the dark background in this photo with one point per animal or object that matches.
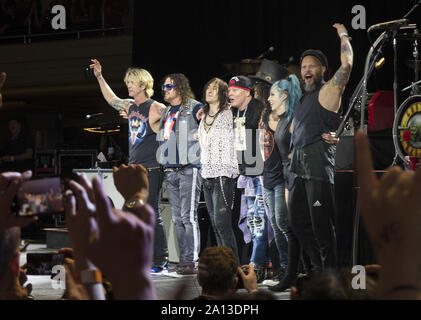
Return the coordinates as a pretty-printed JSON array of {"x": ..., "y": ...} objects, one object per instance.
[{"x": 200, "y": 38}]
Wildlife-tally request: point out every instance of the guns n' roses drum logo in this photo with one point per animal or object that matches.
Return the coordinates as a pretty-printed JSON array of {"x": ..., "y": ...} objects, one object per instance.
[{"x": 407, "y": 128}]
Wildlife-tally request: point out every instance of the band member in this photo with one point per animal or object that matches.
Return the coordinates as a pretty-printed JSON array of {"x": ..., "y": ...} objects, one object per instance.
[
  {"x": 311, "y": 197},
  {"x": 143, "y": 115},
  {"x": 247, "y": 112},
  {"x": 276, "y": 125},
  {"x": 219, "y": 161},
  {"x": 179, "y": 153}
]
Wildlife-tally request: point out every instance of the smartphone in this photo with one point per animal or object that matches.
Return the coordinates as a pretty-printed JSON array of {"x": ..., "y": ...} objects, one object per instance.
[
  {"x": 41, "y": 264},
  {"x": 39, "y": 197}
]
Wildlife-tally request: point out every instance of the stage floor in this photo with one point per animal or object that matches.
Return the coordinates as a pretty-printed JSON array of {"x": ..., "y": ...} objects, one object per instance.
[{"x": 166, "y": 283}]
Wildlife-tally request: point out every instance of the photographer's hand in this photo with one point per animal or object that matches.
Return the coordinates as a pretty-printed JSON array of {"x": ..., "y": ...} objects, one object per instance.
[{"x": 249, "y": 279}]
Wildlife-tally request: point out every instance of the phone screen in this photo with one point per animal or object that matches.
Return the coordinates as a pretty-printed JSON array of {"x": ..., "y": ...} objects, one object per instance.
[
  {"x": 40, "y": 197},
  {"x": 42, "y": 263}
]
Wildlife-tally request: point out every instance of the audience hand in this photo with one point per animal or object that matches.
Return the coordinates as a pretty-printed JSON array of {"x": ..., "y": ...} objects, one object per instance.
[
  {"x": 391, "y": 209},
  {"x": 249, "y": 279},
  {"x": 9, "y": 186},
  {"x": 132, "y": 181},
  {"x": 123, "y": 246},
  {"x": 74, "y": 290},
  {"x": 81, "y": 222}
]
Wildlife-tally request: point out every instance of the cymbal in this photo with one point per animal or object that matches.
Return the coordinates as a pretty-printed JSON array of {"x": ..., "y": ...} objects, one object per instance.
[
  {"x": 413, "y": 63},
  {"x": 409, "y": 36}
]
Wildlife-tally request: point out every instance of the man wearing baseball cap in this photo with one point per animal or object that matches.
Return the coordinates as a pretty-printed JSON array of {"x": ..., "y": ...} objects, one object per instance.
[
  {"x": 247, "y": 112},
  {"x": 311, "y": 199}
]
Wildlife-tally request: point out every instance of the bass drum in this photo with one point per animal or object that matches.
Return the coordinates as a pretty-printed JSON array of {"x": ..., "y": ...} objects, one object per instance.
[{"x": 407, "y": 128}]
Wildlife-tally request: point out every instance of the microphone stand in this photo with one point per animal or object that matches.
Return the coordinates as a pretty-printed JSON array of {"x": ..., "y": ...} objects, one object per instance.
[
  {"x": 358, "y": 92},
  {"x": 384, "y": 35}
]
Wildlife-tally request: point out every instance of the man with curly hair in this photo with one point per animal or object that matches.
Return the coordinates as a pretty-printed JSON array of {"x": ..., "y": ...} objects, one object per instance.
[{"x": 179, "y": 154}]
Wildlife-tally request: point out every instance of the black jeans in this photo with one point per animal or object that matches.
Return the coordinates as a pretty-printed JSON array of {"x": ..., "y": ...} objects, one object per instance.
[
  {"x": 219, "y": 197},
  {"x": 156, "y": 177},
  {"x": 311, "y": 214}
]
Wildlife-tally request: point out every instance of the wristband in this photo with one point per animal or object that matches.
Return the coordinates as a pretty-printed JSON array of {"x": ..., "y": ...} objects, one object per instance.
[
  {"x": 343, "y": 34},
  {"x": 89, "y": 276}
]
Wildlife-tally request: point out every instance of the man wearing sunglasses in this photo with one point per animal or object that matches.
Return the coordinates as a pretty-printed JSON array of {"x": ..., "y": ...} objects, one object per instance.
[
  {"x": 179, "y": 154},
  {"x": 143, "y": 114}
]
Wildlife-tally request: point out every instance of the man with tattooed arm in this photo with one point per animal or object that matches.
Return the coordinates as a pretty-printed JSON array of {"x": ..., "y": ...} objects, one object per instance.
[
  {"x": 311, "y": 198},
  {"x": 144, "y": 115}
]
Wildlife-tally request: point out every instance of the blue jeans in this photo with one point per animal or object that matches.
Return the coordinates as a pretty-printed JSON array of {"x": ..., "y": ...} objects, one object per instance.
[
  {"x": 257, "y": 223},
  {"x": 275, "y": 200},
  {"x": 183, "y": 189}
]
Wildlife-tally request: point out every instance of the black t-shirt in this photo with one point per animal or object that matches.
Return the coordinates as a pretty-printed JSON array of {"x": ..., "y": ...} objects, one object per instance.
[
  {"x": 14, "y": 147},
  {"x": 142, "y": 139},
  {"x": 272, "y": 173},
  {"x": 250, "y": 161}
]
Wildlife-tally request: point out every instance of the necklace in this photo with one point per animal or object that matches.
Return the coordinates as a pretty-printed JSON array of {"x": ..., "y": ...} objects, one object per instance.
[{"x": 207, "y": 126}]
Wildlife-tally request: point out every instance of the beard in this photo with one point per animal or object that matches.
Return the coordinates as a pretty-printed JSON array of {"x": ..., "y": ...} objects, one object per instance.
[{"x": 317, "y": 81}]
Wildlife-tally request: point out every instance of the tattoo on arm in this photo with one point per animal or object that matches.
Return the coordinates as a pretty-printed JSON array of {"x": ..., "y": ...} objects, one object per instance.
[
  {"x": 341, "y": 77},
  {"x": 120, "y": 104}
]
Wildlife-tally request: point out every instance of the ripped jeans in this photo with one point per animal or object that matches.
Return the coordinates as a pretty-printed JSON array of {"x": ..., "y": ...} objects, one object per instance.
[{"x": 257, "y": 223}]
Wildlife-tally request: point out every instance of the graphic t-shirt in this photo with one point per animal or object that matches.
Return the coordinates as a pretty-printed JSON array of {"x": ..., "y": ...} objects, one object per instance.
[{"x": 142, "y": 139}]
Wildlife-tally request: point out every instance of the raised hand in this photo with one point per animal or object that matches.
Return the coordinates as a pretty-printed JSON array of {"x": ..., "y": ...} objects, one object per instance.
[
  {"x": 97, "y": 68},
  {"x": 391, "y": 209},
  {"x": 132, "y": 181}
]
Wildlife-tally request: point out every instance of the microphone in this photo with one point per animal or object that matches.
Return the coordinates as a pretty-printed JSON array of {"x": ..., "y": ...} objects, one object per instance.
[
  {"x": 88, "y": 116},
  {"x": 264, "y": 54},
  {"x": 389, "y": 25}
]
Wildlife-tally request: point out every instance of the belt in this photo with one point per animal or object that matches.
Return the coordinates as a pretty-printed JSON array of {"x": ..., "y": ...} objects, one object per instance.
[
  {"x": 153, "y": 168},
  {"x": 176, "y": 169}
]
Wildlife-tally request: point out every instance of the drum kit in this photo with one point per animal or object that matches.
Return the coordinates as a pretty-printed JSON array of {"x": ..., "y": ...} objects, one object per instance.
[{"x": 407, "y": 123}]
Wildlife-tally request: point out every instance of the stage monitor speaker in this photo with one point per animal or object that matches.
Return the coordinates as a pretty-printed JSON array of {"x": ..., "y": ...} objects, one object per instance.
[
  {"x": 108, "y": 181},
  {"x": 69, "y": 160}
]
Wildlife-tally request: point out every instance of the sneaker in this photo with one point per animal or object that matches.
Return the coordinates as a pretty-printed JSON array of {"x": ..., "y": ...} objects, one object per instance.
[
  {"x": 273, "y": 281},
  {"x": 186, "y": 268},
  {"x": 159, "y": 269},
  {"x": 283, "y": 285}
]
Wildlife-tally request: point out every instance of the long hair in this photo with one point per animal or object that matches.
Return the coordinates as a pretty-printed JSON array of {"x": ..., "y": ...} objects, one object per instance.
[
  {"x": 143, "y": 77},
  {"x": 222, "y": 94},
  {"x": 291, "y": 84},
  {"x": 182, "y": 86}
]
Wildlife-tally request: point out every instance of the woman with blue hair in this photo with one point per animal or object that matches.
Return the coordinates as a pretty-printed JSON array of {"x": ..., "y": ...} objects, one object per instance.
[{"x": 276, "y": 125}]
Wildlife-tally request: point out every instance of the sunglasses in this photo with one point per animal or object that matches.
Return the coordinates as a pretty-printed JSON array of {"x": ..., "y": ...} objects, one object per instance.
[{"x": 167, "y": 86}]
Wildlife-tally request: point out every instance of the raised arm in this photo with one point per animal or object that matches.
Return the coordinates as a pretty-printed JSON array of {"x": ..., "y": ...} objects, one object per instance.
[
  {"x": 330, "y": 95},
  {"x": 109, "y": 95}
]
